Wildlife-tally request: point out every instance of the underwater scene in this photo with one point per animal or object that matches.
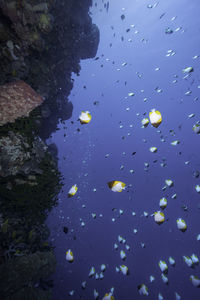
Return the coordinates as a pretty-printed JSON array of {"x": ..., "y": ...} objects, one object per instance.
[{"x": 100, "y": 150}]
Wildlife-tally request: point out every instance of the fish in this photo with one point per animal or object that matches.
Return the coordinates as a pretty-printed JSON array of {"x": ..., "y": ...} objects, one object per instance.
[
  {"x": 143, "y": 290},
  {"x": 116, "y": 186},
  {"x": 163, "y": 266},
  {"x": 69, "y": 256},
  {"x": 108, "y": 296},
  {"x": 72, "y": 191},
  {"x": 159, "y": 217},
  {"x": 85, "y": 117},
  {"x": 155, "y": 118}
]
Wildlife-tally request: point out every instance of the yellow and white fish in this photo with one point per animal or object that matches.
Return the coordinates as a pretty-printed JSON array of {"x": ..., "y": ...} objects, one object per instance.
[
  {"x": 188, "y": 261},
  {"x": 69, "y": 256},
  {"x": 116, "y": 186},
  {"x": 143, "y": 290},
  {"x": 153, "y": 149},
  {"x": 163, "y": 266},
  {"x": 181, "y": 224},
  {"x": 155, "y": 118},
  {"x": 197, "y": 188},
  {"x": 108, "y": 296},
  {"x": 164, "y": 278},
  {"x": 171, "y": 261},
  {"x": 188, "y": 70},
  {"x": 124, "y": 269},
  {"x": 145, "y": 122},
  {"x": 85, "y": 117},
  {"x": 169, "y": 182},
  {"x": 163, "y": 202},
  {"x": 72, "y": 191},
  {"x": 195, "y": 280},
  {"x": 159, "y": 217}
]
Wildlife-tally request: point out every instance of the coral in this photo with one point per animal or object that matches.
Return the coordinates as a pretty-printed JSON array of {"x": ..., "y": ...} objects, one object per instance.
[
  {"x": 20, "y": 273},
  {"x": 32, "y": 202},
  {"x": 45, "y": 22},
  {"x": 18, "y": 155},
  {"x": 17, "y": 99}
]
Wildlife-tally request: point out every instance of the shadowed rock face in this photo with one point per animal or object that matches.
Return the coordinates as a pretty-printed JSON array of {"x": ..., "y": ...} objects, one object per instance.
[
  {"x": 42, "y": 43},
  {"x": 20, "y": 273}
]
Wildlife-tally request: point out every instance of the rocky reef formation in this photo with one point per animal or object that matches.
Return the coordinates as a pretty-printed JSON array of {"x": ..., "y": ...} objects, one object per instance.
[
  {"x": 17, "y": 99},
  {"x": 41, "y": 44}
]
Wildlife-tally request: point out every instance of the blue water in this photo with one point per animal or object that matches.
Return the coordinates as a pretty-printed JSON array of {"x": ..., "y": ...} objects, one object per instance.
[{"x": 82, "y": 158}]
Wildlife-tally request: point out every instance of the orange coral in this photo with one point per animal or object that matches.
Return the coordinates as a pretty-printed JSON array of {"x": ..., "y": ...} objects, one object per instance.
[{"x": 17, "y": 99}]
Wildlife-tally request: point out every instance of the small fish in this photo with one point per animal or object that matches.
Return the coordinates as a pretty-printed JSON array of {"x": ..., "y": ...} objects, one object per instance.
[
  {"x": 155, "y": 118},
  {"x": 124, "y": 269},
  {"x": 188, "y": 70},
  {"x": 108, "y": 296},
  {"x": 85, "y": 117},
  {"x": 159, "y": 217},
  {"x": 163, "y": 203},
  {"x": 69, "y": 256},
  {"x": 116, "y": 186},
  {"x": 145, "y": 122},
  {"x": 181, "y": 224},
  {"x": 163, "y": 266},
  {"x": 72, "y": 191},
  {"x": 143, "y": 290}
]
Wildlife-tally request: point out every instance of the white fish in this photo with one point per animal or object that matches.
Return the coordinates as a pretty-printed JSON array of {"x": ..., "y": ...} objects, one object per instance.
[
  {"x": 155, "y": 118},
  {"x": 145, "y": 122},
  {"x": 124, "y": 269},
  {"x": 160, "y": 297},
  {"x": 194, "y": 258},
  {"x": 159, "y": 217},
  {"x": 197, "y": 188},
  {"x": 172, "y": 261},
  {"x": 151, "y": 278},
  {"x": 181, "y": 224},
  {"x": 69, "y": 256},
  {"x": 122, "y": 255},
  {"x": 72, "y": 191},
  {"x": 178, "y": 297},
  {"x": 153, "y": 149},
  {"x": 188, "y": 70},
  {"x": 116, "y": 186},
  {"x": 163, "y": 266},
  {"x": 175, "y": 143},
  {"x": 188, "y": 261},
  {"x": 163, "y": 202},
  {"x": 196, "y": 128},
  {"x": 115, "y": 246},
  {"x": 85, "y": 117},
  {"x": 83, "y": 284},
  {"x": 103, "y": 267},
  {"x": 195, "y": 280},
  {"x": 164, "y": 278},
  {"x": 108, "y": 296},
  {"x": 92, "y": 271},
  {"x": 96, "y": 294},
  {"x": 143, "y": 290},
  {"x": 169, "y": 182}
]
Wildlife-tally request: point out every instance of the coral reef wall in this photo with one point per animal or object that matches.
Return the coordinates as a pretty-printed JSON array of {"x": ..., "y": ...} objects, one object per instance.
[{"x": 41, "y": 44}]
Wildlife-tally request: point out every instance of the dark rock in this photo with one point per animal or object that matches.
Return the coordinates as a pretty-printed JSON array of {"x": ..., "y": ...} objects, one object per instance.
[{"x": 17, "y": 275}]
